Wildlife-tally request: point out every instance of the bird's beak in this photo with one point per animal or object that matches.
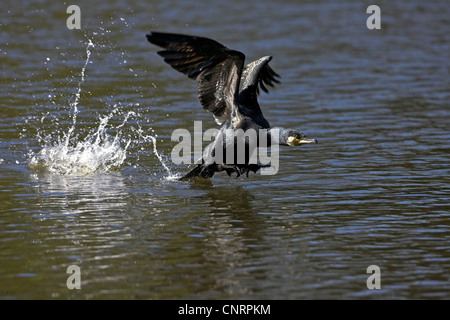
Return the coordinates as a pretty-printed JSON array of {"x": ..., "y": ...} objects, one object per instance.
[
  {"x": 293, "y": 141},
  {"x": 306, "y": 140}
]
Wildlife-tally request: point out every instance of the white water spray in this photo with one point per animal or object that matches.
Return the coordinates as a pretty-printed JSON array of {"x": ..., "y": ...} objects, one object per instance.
[
  {"x": 99, "y": 151},
  {"x": 74, "y": 105},
  {"x": 152, "y": 139}
]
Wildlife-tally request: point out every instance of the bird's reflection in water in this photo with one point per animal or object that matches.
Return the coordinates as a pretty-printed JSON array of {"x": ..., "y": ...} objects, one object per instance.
[{"x": 232, "y": 237}]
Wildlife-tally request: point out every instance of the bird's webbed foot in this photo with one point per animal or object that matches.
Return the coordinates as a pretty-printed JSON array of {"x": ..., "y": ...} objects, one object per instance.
[
  {"x": 252, "y": 167},
  {"x": 233, "y": 169}
]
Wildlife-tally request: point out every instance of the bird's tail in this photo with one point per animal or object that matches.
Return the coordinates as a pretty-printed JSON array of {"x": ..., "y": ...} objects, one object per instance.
[
  {"x": 201, "y": 170},
  {"x": 207, "y": 171}
]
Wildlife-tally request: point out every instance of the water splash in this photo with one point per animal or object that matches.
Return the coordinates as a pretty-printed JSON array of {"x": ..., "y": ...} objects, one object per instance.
[
  {"x": 102, "y": 149},
  {"x": 170, "y": 176},
  {"x": 74, "y": 105},
  {"x": 99, "y": 151}
]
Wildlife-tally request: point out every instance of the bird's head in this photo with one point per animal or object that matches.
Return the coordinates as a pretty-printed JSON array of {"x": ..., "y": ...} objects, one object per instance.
[{"x": 292, "y": 137}]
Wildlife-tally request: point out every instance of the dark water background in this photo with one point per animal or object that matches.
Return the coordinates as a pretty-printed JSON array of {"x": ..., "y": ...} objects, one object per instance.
[{"x": 375, "y": 191}]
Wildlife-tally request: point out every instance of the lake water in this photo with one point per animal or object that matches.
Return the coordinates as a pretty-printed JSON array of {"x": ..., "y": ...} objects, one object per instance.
[{"x": 85, "y": 135}]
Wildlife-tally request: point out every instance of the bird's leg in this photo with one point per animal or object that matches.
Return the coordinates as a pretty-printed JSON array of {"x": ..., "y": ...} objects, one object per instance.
[
  {"x": 238, "y": 172},
  {"x": 230, "y": 169}
]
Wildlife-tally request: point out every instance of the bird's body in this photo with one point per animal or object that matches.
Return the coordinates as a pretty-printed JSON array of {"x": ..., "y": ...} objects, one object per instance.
[{"x": 229, "y": 90}]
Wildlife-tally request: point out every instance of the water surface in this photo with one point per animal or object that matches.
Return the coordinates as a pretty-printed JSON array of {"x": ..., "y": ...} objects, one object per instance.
[{"x": 375, "y": 191}]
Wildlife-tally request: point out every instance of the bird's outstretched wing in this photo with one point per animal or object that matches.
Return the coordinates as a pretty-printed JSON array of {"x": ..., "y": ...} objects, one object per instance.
[
  {"x": 217, "y": 68},
  {"x": 255, "y": 76}
]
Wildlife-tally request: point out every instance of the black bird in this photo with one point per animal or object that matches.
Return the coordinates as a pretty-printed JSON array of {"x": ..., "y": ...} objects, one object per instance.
[{"x": 228, "y": 90}]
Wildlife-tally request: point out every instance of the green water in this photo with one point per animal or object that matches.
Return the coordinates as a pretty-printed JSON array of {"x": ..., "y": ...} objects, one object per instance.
[{"x": 375, "y": 191}]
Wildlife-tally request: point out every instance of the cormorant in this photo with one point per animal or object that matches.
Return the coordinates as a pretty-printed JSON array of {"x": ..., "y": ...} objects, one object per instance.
[{"x": 228, "y": 90}]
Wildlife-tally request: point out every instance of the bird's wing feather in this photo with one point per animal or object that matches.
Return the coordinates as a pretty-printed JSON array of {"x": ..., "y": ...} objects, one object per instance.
[
  {"x": 217, "y": 68},
  {"x": 258, "y": 75}
]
